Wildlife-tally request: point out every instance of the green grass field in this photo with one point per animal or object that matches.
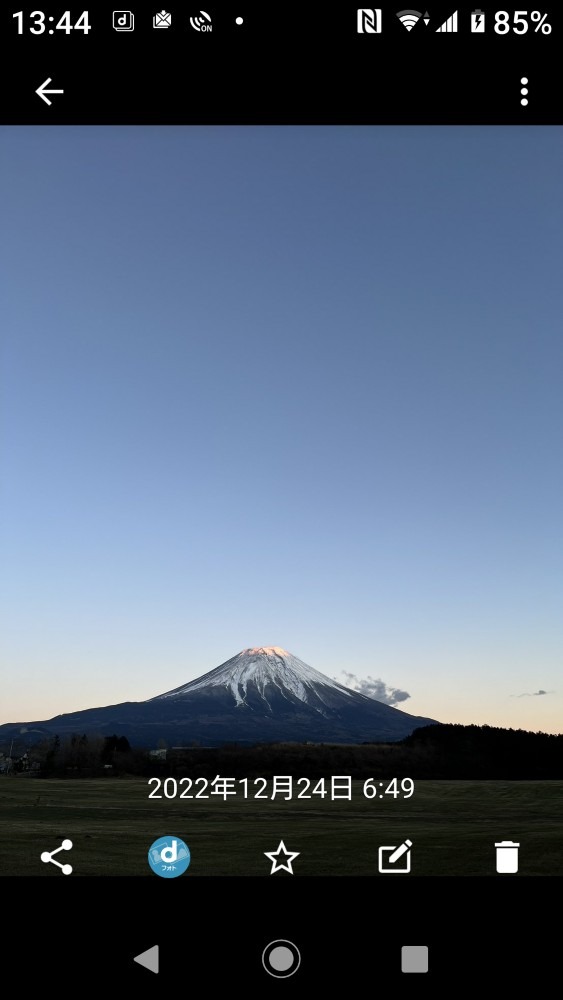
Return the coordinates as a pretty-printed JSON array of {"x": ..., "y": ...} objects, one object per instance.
[{"x": 453, "y": 826}]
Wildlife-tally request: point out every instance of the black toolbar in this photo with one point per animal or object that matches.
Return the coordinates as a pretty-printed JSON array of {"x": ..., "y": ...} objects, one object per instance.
[{"x": 267, "y": 65}]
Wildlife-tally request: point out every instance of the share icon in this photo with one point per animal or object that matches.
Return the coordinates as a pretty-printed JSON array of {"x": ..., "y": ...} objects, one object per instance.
[{"x": 48, "y": 856}]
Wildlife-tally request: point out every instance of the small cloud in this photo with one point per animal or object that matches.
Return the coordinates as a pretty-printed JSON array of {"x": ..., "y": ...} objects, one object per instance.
[
  {"x": 374, "y": 688},
  {"x": 532, "y": 694}
]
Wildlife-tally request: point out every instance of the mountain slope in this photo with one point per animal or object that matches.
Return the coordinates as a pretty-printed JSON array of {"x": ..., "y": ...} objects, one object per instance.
[
  {"x": 266, "y": 673},
  {"x": 261, "y": 695}
]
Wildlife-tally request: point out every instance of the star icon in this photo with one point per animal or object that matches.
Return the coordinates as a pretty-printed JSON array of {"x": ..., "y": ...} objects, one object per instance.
[{"x": 289, "y": 856}]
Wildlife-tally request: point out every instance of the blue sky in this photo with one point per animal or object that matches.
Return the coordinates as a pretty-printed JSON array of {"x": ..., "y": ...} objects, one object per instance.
[{"x": 283, "y": 386}]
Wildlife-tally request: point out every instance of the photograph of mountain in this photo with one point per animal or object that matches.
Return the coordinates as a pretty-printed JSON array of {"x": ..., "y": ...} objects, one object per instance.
[
  {"x": 269, "y": 390},
  {"x": 262, "y": 695}
]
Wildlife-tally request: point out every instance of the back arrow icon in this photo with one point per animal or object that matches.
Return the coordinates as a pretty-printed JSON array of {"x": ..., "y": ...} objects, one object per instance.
[{"x": 41, "y": 91}]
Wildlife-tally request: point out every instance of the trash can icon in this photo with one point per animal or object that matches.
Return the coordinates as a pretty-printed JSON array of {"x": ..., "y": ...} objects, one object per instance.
[{"x": 507, "y": 857}]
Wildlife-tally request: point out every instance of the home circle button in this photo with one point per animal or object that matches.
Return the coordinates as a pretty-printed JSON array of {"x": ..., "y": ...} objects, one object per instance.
[{"x": 281, "y": 959}]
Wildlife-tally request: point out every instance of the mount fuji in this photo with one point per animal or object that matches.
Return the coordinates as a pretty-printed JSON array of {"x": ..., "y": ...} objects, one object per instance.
[{"x": 261, "y": 695}]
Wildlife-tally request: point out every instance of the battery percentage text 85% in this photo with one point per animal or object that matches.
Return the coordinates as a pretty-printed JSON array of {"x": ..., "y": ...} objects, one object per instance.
[{"x": 520, "y": 22}]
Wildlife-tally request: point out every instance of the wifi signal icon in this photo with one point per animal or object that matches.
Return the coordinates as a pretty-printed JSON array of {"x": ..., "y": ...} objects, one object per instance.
[{"x": 409, "y": 18}]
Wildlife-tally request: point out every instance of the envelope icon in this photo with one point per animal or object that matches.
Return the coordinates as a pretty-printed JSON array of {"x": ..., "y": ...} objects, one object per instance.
[{"x": 162, "y": 20}]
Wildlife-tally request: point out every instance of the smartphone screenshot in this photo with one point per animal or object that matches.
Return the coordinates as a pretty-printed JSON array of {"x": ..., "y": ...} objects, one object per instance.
[{"x": 281, "y": 384}]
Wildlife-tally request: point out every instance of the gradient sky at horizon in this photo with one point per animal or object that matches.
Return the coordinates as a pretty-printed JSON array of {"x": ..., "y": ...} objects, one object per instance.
[{"x": 283, "y": 386}]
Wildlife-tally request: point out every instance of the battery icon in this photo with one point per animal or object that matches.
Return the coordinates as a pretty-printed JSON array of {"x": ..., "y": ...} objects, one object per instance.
[{"x": 477, "y": 21}]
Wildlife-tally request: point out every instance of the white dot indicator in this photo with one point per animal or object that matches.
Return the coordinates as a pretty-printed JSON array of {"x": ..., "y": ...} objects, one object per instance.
[
  {"x": 524, "y": 80},
  {"x": 523, "y": 90},
  {"x": 239, "y": 20}
]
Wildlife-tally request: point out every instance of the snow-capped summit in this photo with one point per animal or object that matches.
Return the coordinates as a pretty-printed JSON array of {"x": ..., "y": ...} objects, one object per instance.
[{"x": 265, "y": 671}]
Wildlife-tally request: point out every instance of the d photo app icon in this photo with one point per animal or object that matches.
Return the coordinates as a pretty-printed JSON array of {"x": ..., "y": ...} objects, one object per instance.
[
  {"x": 169, "y": 857},
  {"x": 123, "y": 20}
]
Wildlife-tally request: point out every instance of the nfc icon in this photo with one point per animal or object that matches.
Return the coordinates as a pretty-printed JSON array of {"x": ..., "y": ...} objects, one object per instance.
[{"x": 369, "y": 21}]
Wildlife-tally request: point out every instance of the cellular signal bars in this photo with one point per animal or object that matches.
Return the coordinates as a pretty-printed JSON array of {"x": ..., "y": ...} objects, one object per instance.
[{"x": 450, "y": 24}]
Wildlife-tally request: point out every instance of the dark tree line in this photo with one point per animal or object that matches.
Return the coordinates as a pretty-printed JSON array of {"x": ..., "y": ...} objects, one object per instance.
[
  {"x": 433, "y": 752},
  {"x": 83, "y": 756},
  {"x": 455, "y": 751}
]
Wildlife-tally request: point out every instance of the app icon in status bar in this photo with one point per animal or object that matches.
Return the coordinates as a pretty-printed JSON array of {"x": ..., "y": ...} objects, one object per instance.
[
  {"x": 162, "y": 20},
  {"x": 123, "y": 20}
]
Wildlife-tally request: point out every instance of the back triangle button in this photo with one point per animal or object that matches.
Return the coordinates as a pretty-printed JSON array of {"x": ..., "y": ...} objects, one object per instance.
[{"x": 148, "y": 959}]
